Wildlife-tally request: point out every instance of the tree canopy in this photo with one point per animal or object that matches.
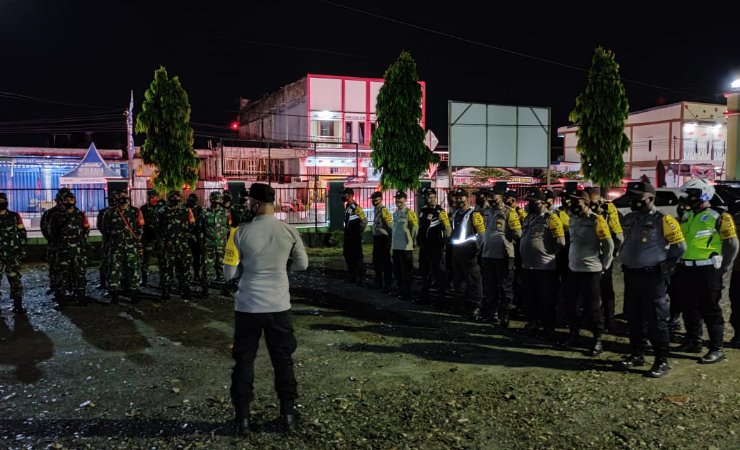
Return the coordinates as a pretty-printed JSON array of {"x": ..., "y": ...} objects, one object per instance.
[
  {"x": 601, "y": 111},
  {"x": 398, "y": 142},
  {"x": 165, "y": 118}
]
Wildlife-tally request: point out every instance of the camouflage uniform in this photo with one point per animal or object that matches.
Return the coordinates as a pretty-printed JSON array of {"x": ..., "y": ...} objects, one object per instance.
[
  {"x": 216, "y": 233},
  {"x": 195, "y": 241},
  {"x": 123, "y": 225},
  {"x": 174, "y": 227},
  {"x": 70, "y": 229},
  {"x": 50, "y": 244},
  {"x": 149, "y": 238},
  {"x": 12, "y": 241},
  {"x": 240, "y": 213},
  {"x": 104, "y": 244}
]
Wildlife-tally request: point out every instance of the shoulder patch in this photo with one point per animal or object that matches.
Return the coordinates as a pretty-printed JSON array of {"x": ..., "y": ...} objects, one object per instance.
[
  {"x": 602, "y": 228},
  {"x": 514, "y": 220},
  {"x": 672, "y": 230},
  {"x": 726, "y": 227},
  {"x": 555, "y": 226}
]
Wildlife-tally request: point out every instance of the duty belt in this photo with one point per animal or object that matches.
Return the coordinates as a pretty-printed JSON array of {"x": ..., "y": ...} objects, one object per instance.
[{"x": 699, "y": 263}]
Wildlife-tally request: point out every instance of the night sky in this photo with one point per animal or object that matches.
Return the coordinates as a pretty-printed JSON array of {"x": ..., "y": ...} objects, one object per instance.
[{"x": 90, "y": 54}]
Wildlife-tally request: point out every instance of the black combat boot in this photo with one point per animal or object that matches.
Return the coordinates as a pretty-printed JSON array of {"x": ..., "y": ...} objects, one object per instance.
[
  {"x": 135, "y": 296},
  {"x": 242, "y": 426},
  {"x": 144, "y": 278},
  {"x": 660, "y": 367},
  {"x": 713, "y": 356},
  {"x": 81, "y": 298},
  {"x": 572, "y": 339},
  {"x": 597, "y": 347},
  {"x": 288, "y": 416},
  {"x": 690, "y": 345},
  {"x": 635, "y": 359},
  {"x": 186, "y": 295},
  {"x": 18, "y": 306},
  {"x": 115, "y": 297},
  {"x": 165, "y": 295}
]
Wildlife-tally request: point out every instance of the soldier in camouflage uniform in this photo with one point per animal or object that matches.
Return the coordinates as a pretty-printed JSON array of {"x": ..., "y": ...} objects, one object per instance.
[
  {"x": 216, "y": 233},
  {"x": 195, "y": 241},
  {"x": 123, "y": 226},
  {"x": 50, "y": 245},
  {"x": 104, "y": 245},
  {"x": 12, "y": 241},
  {"x": 174, "y": 227},
  {"x": 70, "y": 230},
  {"x": 149, "y": 238},
  {"x": 240, "y": 212}
]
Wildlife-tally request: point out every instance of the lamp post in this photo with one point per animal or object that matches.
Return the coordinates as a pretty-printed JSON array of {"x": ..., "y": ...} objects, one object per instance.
[{"x": 733, "y": 130}]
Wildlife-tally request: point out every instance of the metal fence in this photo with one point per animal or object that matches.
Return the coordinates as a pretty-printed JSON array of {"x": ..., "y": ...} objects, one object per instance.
[{"x": 300, "y": 206}]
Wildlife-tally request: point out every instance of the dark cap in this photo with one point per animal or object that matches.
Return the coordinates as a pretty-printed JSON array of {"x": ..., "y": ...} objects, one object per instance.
[
  {"x": 173, "y": 193},
  {"x": 498, "y": 190},
  {"x": 484, "y": 191},
  {"x": 549, "y": 194},
  {"x": 400, "y": 194},
  {"x": 227, "y": 195},
  {"x": 536, "y": 194},
  {"x": 428, "y": 190},
  {"x": 376, "y": 194},
  {"x": 640, "y": 187},
  {"x": 460, "y": 192},
  {"x": 68, "y": 194},
  {"x": 581, "y": 195},
  {"x": 510, "y": 193},
  {"x": 193, "y": 196},
  {"x": 348, "y": 191},
  {"x": 215, "y": 195},
  {"x": 243, "y": 192},
  {"x": 262, "y": 193},
  {"x": 152, "y": 193},
  {"x": 3, "y": 196}
]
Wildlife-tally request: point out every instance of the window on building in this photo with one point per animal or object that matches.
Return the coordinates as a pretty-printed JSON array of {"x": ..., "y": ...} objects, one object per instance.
[
  {"x": 361, "y": 132},
  {"x": 348, "y": 132},
  {"x": 373, "y": 127},
  {"x": 326, "y": 128}
]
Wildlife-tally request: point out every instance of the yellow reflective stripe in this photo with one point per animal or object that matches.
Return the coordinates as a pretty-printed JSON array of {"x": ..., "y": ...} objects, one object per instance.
[
  {"x": 514, "y": 222},
  {"x": 602, "y": 228},
  {"x": 444, "y": 218},
  {"x": 614, "y": 224},
  {"x": 726, "y": 227},
  {"x": 672, "y": 230},
  {"x": 360, "y": 213},
  {"x": 555, "y": 226},
  {"x": 413, "y": 220},
  {"x": 478, "y": 223},
  {"x": 386, "y": 216}
]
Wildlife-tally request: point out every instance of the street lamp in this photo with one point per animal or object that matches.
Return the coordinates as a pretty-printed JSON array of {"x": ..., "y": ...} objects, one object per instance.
[{"x": 735, "y": 84}]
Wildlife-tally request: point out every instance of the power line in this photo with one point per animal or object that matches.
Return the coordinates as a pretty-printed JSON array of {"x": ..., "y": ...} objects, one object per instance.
[
  {"x": 500, "y": 49},
  {"x": 23, "y": 97}
]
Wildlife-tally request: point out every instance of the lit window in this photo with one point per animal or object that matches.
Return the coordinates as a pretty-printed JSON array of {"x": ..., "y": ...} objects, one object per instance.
[{"x": 326, "y": 128}]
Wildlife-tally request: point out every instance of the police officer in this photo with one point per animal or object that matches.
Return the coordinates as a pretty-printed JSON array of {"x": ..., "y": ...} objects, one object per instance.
[
  {"x": 711, "y": 248},
  {"x": 12, "y": 243},
  {"x": 468, "y": 229},
  {"x": 405, "y": 229},
  {"x": 511, "y": 199},
  {"x": 502, "y": 229},
  {"x": 543, "y": 237},
  {"x": 434, "y": 231},
  {"x": 610, "y": 213},
  {"x": 355, "y": 222},
  {"x": 149, "y": 238},
  {"x": 653, "y": 243},
  {"x": 382, "y": 230},
  {"x": 735, "y": 284},
  {"x": 591, "y": 252}
]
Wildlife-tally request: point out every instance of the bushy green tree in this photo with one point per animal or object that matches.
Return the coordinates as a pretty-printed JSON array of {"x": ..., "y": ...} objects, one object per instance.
[
  {"x": 601, "y": 111},
  {"x": 165, "y": 118},
  {"x": 398, "y": 142}
]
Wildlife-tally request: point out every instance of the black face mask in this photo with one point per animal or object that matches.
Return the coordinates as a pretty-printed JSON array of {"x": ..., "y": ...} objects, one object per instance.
[
  {"x": 243, "y": 200},
  {"x": 69, "y": 205},
  {"x": 533, "y": 207},
  {"x": 192, "y": 203},
  {"x": 3, "y": 206},
  {"x": 594, "y": 206},
  {"x": 215, "y": 204},
  {"x": 123, "y": 201},
  {"x": 173, "y": 202},
  {"x": 576, "y": 209},
  {"x": 459, "y": 203}
]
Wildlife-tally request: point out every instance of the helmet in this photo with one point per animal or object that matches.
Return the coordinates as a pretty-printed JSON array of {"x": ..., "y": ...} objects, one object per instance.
[
  {"x": 700, "y": 188},
  {"x": 172, "y": 194}
]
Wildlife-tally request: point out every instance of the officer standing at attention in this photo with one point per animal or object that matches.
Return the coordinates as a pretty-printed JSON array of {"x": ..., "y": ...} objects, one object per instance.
[
  {"x": 405, "y": 229},
  {"x": 434, "y": 231},
  {"x": 12, "y": 243},
  {"x": 609, "y": 212},
  {"x": 355, "y": 222},
  {"x": 174, "y": 228},
  {"x": 543, "y": 237},
  {"x": 591, "y": 252},
  {"x": 70, "y": 229},
  {"x": 46, "y": 232},
  {"x": 382, "y": 229},
  {"x": 216, "y": 220},
  {"x": 468, "y": 229},
  {"x": 123, "y": 226},
  {"x": 149, "y": 238},
  {"x": 196, "y": 241},
  {"x": 711, "y": 248},
  {"x": 653, "y": 243},
  {"x": 104, "y": 269}
]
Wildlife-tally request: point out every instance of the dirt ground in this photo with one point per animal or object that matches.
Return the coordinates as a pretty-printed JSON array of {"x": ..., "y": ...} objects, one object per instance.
[{"x": 374, "y": 372}]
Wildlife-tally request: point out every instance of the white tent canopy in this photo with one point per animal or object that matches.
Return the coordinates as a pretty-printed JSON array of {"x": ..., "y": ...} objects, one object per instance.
[{"x": 91, "y": 170}]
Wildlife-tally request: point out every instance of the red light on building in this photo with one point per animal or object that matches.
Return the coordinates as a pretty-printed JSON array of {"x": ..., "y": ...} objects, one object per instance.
[{"x": 234, "y": 125}]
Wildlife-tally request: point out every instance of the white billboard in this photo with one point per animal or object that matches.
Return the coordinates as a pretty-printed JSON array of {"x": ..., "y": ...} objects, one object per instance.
[{"x": 483, "y": 135}]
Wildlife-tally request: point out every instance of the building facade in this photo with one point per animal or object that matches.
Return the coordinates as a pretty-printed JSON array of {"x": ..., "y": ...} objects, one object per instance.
[{"x": 688, "y": 138}]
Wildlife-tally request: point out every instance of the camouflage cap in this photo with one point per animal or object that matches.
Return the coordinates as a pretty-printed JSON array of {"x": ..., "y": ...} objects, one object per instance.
[
  {"x": 227, "y": 195},
  {"x": 172, "y": 194},
  {"x": 152, "y": 193},
  {"x": 215, "y": 195},
  {"x": 61, "y": 192}
]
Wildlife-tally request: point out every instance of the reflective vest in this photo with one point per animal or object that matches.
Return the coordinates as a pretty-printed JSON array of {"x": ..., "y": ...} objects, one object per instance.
[{"x": 701, "y": 234}]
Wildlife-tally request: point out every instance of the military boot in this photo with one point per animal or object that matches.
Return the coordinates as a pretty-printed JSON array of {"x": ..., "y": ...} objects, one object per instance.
[
  {"x": 572, "y": 339},
  {"x": 81, "y": 298},
  {"x": 288, "y": 416},
  {"x": 712, "y": 356},
  {"x": 186, "y": 295},
  {"x": 144, "y": 278},
  {"x": 18, "y": 306},
  {"x": 660, "y": 367},
  {"x": 165, "y": 295},
  {"x": 115, "y": 297},
  {"x": 635, "y": 359},
  {"x": 690, "y": 345},
  {"x": 597, "y": 347}
]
